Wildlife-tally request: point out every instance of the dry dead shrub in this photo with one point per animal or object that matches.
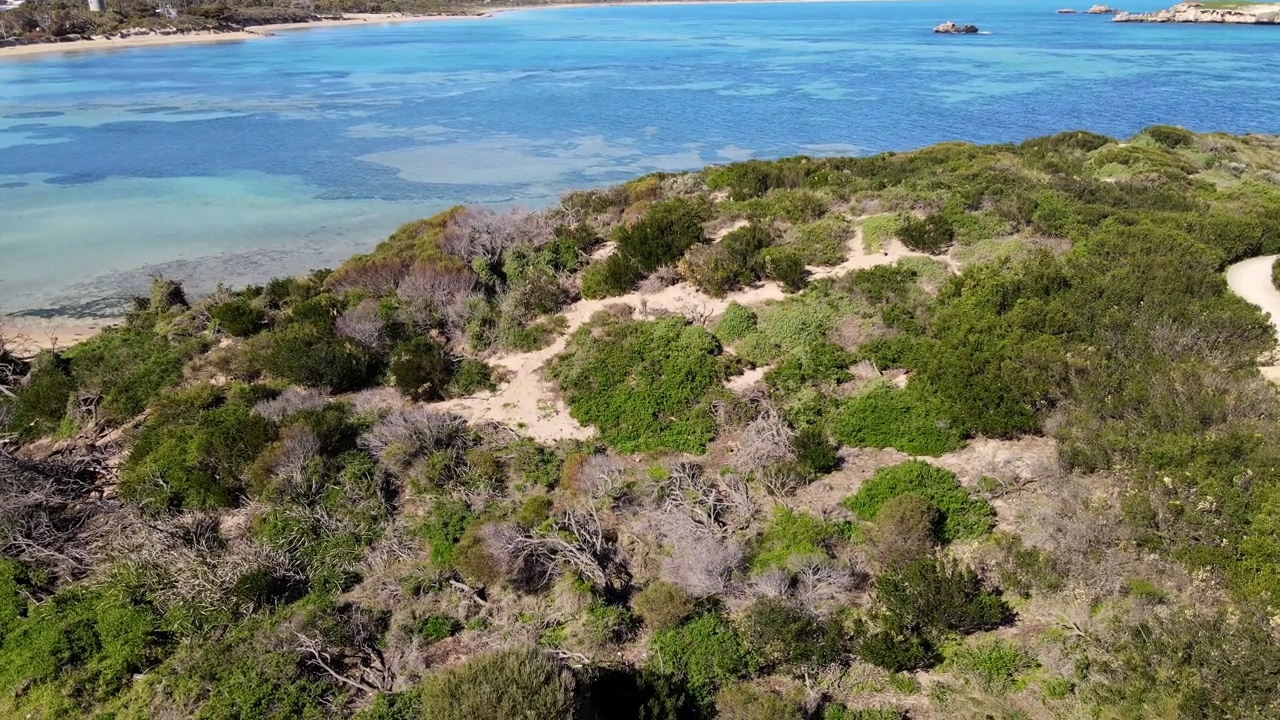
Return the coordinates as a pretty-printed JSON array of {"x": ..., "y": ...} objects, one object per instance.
[
  {"x": 480, "y": 233},
  {"x": 432, "y": 297},
  {"x": 659, "y": 280},
  {"x": 291, "y": 402},
  {"x": 765, "y": 441},
  {"x": 53, "y": 514},
  {"x": 405, "y": 435},
  {"x": 374, "y": 277},
  {"x": 363, "y": 323},
  {"x": 701, "y": 561}
]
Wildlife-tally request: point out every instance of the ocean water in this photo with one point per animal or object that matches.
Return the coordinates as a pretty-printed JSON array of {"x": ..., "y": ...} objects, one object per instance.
[{"x": 236, "y": 162}]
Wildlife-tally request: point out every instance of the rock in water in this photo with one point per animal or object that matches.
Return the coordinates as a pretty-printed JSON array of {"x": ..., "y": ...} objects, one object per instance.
[
  {"x": 951, "y": 28},
  {"x": 1066, "y": 11},
  {"x": 1194, "y": 12},
  {"x": 1102, "y": 10}
]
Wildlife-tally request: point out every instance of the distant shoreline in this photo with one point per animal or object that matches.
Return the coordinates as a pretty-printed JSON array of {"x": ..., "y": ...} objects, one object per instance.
[{"x": 260, "y": 32}]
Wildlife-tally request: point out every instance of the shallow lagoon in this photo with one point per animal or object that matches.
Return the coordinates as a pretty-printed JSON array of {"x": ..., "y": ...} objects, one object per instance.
[{"x": 236, "y": 162}]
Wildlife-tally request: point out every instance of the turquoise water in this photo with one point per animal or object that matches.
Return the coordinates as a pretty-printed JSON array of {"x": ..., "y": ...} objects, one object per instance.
[{"x": 239, "y": 161}]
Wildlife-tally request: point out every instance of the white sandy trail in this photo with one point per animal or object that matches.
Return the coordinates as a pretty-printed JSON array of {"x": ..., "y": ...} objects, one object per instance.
[{"x": 1251, "y": 280}]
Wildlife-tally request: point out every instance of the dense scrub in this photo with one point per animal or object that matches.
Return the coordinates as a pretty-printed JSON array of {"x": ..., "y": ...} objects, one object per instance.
[{"x": 1029, "y": 470}]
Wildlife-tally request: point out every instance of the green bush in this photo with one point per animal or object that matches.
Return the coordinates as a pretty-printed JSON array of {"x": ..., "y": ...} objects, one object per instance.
[
  {"x": 470, "y": 376},
  {"x": 931, "y": 234},
  {"x": 311, "y": 356},
  {"x": 995, "y": 665},
  {"x": 786, "y": 266},
  {"x": 884, "y": 416},
  {"x": 934, "y": 597},
  {"x": 191, "y": 452},
  {"x": 813, "y": 451},
  {"x": 729, "y": 264},
  {"x": 421, "y": 368},
  {"x": 961, "y": 516},
  {"x": 706, "y": 652},
  {"x": 41, "y": 403},
  {"x": 90, "y": 642},
  {"x": 443, "y": 526},
  {"x": 434, "y": 628},
  {"x": 790, "y": 534},
  {"x": 744, "y": 701},
  {"x": 737, "y": 322},
  {"x": 238, "y": 317},
  {"x": 645, "y": 386},
  {"x": 1170, "y": 136},
  {"x": 782, "y": 635},
  {"x": 877, "y": 231},
  {"x": 615, "y": 275},
  {"x": 905, "y": 530},
  {"x": 1275, "y": 273},
  {"x": 661, "y": 605},
  {"x": 825, "y": 242},
  {"x": 666, "y": 231},
  {"x": 128, "y": 366},
  {"x": 815, "y": 362},
  {"x": 520, "y": 683}
]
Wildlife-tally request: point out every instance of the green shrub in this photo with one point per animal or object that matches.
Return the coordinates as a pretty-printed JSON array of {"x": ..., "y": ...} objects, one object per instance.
[
  {"x": 787, "y": 267},
  {"x": 41, "y": 403},
  {"x": 931, "y": 234},
  {"x": 533, "y": 511},
  {"x": 813, "y": 451},
  {"x": 737, "y": 322},
  {"x": 819, "y": 361},
  {"x": 1275, "y": 273},
  {"x": 434, "y": 628},
  {"x": 421, "y": 368},
  {"x": 1023, "y": 570},
  {"x": 905, "y": 530},
  {"x": 1170, "y": 136},
  {"x": 836, "y": 711},
  {"x": 744, "y": 701},
  {"x": 934, "y": 597},
  {"x": 961, "y": 516},
  {"x": 191, "y": 452},
  {"x": 470, "y": 377},
  {"x": 310, "y": 356},
  {"x": 645, "y": 386},
  {"x": 825, "y": 242},
  {"x": 896, "y": 650},
  {"x": 754, "y": 178},
  {"x": 238, "y": 317},
  {"x": 995, "y": 665},
  {"x": 781, "y": 634},
  {"x": 621, "y": 694},
  {"x": 877, "y": 231},
  {"x": 706, "y": 652},
  {"x": 884, "y": 416},
  {"x": 789, "y": 534},
  {"x": 90, "y": 642},
  {"x": 661, "y": 605},
  {"x": 615, "y": 275},
  {"x": 128, "y": 366},
  {"x": 443, "y": 526},
  {"x": 520, "y": 683}
]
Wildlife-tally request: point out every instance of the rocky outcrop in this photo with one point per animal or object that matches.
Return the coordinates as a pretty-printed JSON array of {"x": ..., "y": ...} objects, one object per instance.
[
  {"x": 1102, "y": 10},
  {"x": 951, "y": 28},
  {"x": 1066, "y": 11},
  {"x": 1194, "y": 12}
]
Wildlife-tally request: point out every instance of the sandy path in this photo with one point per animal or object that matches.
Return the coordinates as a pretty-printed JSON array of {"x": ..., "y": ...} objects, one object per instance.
[
  {"x": 1251, "y": 280},
  {"x": 27, "y": 336}
]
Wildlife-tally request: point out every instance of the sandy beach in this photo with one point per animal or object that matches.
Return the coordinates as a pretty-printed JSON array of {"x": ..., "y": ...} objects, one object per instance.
[
  {"x": 27, "y": 336},
  {"x": 261, "y": 32}
]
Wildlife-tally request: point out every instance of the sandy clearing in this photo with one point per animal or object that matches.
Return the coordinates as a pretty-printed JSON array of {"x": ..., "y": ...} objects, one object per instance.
[{"x": 28, "y": 336}]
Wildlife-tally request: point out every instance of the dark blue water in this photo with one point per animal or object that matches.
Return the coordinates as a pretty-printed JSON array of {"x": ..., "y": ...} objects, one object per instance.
[{"x": 237, "y": 161}]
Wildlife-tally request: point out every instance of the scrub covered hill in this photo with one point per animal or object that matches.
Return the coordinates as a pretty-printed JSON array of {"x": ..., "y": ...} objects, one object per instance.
[{"x": 964, "y": 432}]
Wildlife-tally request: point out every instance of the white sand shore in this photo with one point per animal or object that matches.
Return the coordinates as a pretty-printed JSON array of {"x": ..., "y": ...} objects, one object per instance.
[
  {"x": 263, "y": 31},
  {"x": 27, "y": 336}
]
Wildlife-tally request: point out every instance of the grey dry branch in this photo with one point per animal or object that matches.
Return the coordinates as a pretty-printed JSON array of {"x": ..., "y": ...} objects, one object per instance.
[{"x": 482, "y": 234}]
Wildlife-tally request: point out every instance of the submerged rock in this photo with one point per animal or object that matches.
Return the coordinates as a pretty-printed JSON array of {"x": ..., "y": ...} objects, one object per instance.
[
  {"x": 1067, "y": 11},
  {"x": 951, "y": 28},
  {"x": 1194, "y": 12}
]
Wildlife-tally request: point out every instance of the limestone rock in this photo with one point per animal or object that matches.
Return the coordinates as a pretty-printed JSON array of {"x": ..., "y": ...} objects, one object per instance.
[
  {"x": 1102, "y": 10},
  {"x": 1194, "y": 12},
  {"x": 952, "y": 28}
]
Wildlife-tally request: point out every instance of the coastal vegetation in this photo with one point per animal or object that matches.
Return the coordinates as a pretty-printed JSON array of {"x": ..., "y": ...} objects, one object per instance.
[{"x": 962, "y": 432}]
